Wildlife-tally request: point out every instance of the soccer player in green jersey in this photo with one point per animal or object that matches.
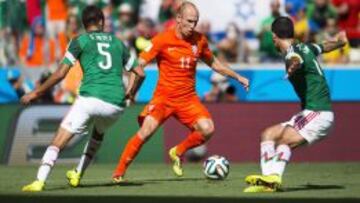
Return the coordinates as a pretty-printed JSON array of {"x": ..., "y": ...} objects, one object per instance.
[
  {"x": 101, "y": 99},
  {"x": 316, "y": 118}
]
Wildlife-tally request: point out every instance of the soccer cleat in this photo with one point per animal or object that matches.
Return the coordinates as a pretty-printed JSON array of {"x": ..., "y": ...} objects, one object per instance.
[
  {"x": 36, "y": 186},
  {"x": 253, "y": 179},
  {"x": 73, "y": 177},
  {"x": 177, "y": 168},
  {"x": 259, "y": 189},
  {"x": 118, "y": 179},
  {"x": 273, "y": 181}
]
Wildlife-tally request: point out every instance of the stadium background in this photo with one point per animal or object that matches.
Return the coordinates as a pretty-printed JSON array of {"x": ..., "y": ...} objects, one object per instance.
[{"x": 34, "y": 34}]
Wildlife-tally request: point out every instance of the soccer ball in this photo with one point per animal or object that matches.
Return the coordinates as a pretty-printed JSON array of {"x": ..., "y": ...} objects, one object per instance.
[{"x": 216, "y": 167}]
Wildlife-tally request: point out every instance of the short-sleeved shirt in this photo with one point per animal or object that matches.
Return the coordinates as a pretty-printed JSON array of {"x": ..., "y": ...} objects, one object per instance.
[
  {"x": 177, "y": 59},
  {"x": 309, "y": 81},
  {"x": 102, "y": 57}
]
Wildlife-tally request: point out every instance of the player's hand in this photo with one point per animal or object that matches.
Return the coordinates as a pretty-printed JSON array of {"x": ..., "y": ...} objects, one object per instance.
[
  {"x": 28, "y": 98},
  {"x": 341, "y": 37},
  {"x": 245, "y": 82}
]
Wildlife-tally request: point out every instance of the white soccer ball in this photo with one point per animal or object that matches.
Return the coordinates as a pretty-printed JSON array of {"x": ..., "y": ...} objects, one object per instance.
[{"x": 216, "y": 167}]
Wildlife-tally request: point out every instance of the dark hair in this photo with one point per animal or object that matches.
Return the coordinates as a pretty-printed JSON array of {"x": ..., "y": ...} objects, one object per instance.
[
  {"x": 92, "y": 15},
  {"x": 283, "y": 27}
]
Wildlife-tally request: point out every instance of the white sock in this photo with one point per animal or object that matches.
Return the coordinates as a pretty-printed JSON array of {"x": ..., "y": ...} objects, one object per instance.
[
  {"x": 89, "y": 152},
  {"x": 47, "y": 162},
  {"x": 267, "y": 153},
  {"x": 283, "y": 154}
]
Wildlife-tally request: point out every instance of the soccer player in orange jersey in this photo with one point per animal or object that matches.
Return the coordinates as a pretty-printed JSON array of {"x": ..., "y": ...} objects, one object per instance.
[{"x": 177, "y": 52}]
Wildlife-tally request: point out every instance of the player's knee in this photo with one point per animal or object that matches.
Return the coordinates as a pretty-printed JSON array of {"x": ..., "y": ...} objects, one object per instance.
[
  {"x": 148, "y": 128},
  {"x": 62, "y": 137},
  {"x": 268, "y": 134},
  {"x": 145, "y": 132},
  {"x": 207, "y": 130}
]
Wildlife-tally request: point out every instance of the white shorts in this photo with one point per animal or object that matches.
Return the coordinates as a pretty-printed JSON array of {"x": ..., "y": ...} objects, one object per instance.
[
  {"x": 88, "y": 111},
  {"x": 312, "y": 125}
]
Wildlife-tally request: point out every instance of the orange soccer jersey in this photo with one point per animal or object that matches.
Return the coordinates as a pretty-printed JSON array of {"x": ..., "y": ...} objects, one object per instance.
[
  {"x": 177, "y": 59},
  {"x": 175, "y": 92}
]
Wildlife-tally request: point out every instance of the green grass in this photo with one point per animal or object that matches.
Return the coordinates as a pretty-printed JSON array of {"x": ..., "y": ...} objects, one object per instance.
[{"x": 154, "y": 182}]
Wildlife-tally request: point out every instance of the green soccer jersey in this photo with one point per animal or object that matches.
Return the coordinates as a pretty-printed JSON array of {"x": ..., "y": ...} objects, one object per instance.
[
  {"x": 309, "y": 81},
  {"x": 102, "y": 57}
]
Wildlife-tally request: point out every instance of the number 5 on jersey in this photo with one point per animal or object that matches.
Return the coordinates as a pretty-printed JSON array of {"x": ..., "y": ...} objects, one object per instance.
[{"x": 102, "y": 48}]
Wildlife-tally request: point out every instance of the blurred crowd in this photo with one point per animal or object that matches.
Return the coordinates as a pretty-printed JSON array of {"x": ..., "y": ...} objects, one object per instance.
[
  {"x": 315, "y": 21},
  {"x": 34, "y": 35}
]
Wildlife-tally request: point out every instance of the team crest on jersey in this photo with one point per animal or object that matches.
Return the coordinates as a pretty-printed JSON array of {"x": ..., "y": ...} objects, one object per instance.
[{"x": 194, "y": 49}]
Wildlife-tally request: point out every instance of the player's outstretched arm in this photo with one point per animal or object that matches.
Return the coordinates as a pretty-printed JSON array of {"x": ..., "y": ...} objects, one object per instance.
[
  {"x": 337, "y": 42},
  {"x": 54, "y": 79},
  {"x": 137, "y": 77},
  {"x": 223, "y": 69}
]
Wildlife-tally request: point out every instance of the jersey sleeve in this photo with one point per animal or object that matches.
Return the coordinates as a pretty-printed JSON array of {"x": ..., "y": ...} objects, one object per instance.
[
  {"x": 129, "y": 60},
  {"x": 73, "y": 52},
  {"x": 317, "y": 49},
  {"x": 206, "y": 54},
  {"x": 153, "y": 49}
]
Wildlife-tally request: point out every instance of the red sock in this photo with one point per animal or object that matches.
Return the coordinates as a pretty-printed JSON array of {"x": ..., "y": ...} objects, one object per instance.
[
  {"x": 131, "y": 150},
  {"x": 194, "y": 139}
]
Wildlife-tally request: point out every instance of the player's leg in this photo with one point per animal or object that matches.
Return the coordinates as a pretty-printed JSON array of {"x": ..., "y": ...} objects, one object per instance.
[
  {"x": 106, "y": 115},
  {"x": 269, "y": 138},
  {"x": 271, "y": 151},
  {"x": 274, "y": 158},
  {"x": 48, "y": 160},
  {"x": 202, "y": 131},
  {"x": 74, "y": 176},
  {"x": 305, "y": 127},
  {"x": 149, "y": 120},
  {"x": 74, "y": 123},
  {"x": 133, "y": 146},
  {"x": 308, "y": 128},
  {"x": 195, "y": 116}
]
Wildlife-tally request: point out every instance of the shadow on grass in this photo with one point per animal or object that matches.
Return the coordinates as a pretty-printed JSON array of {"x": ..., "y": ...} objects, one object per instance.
[
  {"x": 125, "y": 184},
  {"x": 55, "y": 188},
  {"x": 173, "y": 179},
  {"x": 313, "y": 187},
  {"x": 94, "y": 185},
  {"x": 109, "y": 184}
]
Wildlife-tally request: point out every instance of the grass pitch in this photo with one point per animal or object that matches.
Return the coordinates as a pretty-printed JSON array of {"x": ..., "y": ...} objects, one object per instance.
[{"x": 314, "y": 182}]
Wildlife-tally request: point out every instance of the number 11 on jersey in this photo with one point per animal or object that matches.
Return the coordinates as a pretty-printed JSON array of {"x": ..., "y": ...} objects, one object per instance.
[{"x": 185, "y": 62}]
